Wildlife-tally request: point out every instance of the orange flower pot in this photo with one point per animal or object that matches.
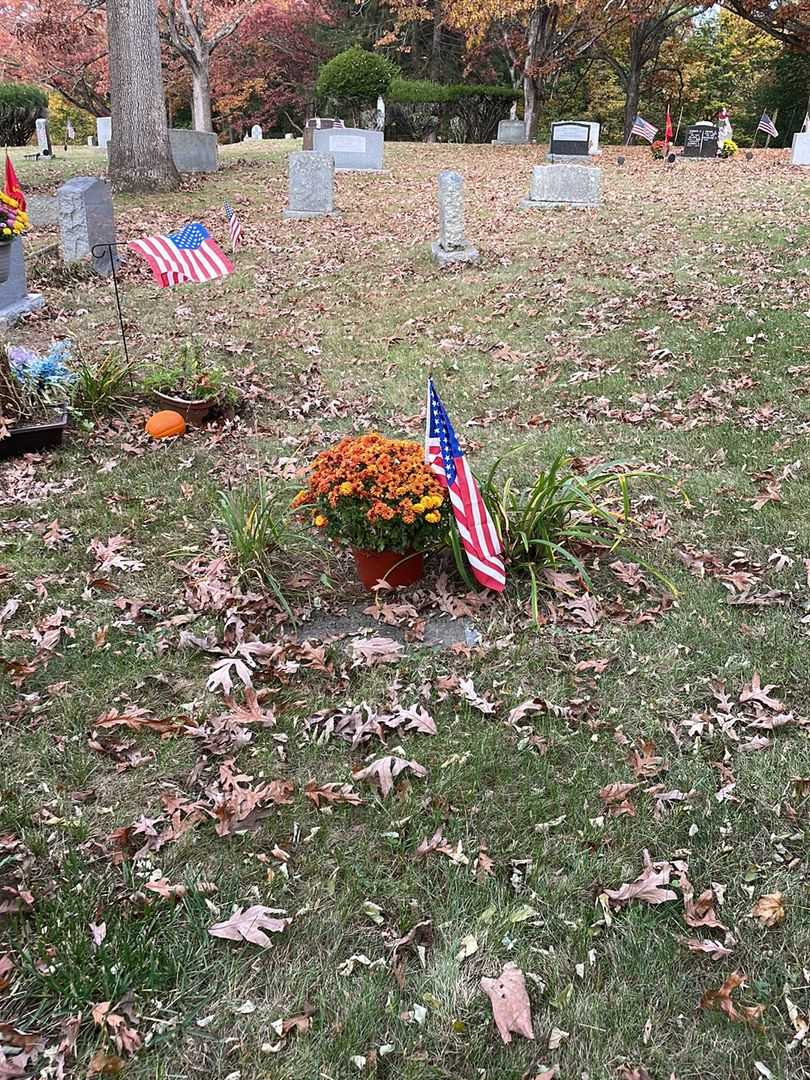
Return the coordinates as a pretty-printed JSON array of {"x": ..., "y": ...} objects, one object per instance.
[{"x": 395, "y": 568}]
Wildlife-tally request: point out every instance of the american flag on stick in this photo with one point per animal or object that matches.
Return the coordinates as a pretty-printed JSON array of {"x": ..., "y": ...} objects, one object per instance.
[
  {"x": 190, "y": 255},
  {"x": 767, "y": 125},
  {"x": 234, "y": 227},
  {"x": 446, "y": 460},
  {"x": 642, "y": 128}
]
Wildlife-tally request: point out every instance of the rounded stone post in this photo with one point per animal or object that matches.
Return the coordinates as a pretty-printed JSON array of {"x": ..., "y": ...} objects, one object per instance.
[{"x": 452, "y": 245}]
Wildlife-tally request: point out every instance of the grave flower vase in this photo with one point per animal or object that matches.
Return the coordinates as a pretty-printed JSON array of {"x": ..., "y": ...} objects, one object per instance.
[
  {"x": 5, "y": 262},
  {"x": 395, "y": 568}
]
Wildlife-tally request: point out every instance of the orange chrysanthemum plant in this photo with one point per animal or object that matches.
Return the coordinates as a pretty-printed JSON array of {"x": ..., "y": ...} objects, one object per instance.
[{"x": 376, "y": 494}]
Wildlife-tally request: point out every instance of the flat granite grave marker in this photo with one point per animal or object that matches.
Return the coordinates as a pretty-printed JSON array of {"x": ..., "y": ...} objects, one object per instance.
[
  {"x": 354, "y": 149},
  {"x": 700, "y": 141},
  {"x": 511, "y": 133},
  {"x": 103, "y": 131},
  {"x": 311, "y": 185},
  {"x": 576, "y": 186},
  {"x": 15, "y": 299},
  {"x": 452, "y": 247},
  {"x": 86, "y": 218}
]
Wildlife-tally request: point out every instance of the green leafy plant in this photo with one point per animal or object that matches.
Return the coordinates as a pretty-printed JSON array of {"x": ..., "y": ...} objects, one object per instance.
[
  {"x": 355, "y": 78},
  {"x": 185, "y": 373},
  {"x": 100, "y": 385},
  {"x": 728, "y": 149},
  {"x": 556, "y": 518},
  {"x": 20, "y": 106},
  {"x": 263, "y": 535}
]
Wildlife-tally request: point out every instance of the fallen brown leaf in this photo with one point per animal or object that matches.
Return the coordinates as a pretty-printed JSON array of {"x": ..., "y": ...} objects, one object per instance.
[
  {"x": 721, "y": 999},
  {"x": 769, "y": 910},
  {"x": 510, "y": 1003}
]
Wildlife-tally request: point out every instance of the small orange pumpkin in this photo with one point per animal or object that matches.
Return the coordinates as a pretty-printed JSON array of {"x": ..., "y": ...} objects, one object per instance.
[{"x": 165, "y": 424}]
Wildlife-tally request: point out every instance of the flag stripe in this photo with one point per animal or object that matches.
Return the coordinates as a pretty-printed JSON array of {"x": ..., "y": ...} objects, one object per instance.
[
  {"x": 190, "y": 255},
  {"x": 644, "y": 129}
]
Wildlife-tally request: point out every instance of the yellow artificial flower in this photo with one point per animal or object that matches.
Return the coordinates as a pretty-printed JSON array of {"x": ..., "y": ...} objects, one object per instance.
[
  {"x": 433, "y": 517},
  {"x": 320, "y": 520},
  {"x": 345, "y": 488}
]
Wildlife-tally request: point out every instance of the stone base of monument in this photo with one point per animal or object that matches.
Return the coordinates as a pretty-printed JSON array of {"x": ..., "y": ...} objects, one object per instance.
[
  {"x": 15, "y": 299},
  {"x": 566, "y": 185},
  {"x": 444, "y": 257}
]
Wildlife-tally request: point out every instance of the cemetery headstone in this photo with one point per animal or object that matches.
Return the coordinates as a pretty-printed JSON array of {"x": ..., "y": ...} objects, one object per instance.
[
  {"x": 316, "y": 123},
  {"x": 510, "y": 133},
  {"x": 86, "y": 218},
  {"x": 800, "y": 150},
  {"x": 15, "y": 299},
  {"x": 256, "y": 132},
  {"x": 572, "y": 139},
  {"x": 194, "y": 151},
  {"x": 354, "y": 149},
  {"x": 700, "y": 141},
  {"x": 452, "y": 246},
  {"x": 91, "y": 140},
  {"x": 103, "y": 131},
  {"x": 379, "y": 120},
  {"x": 311, "y": 185},
  {"x": 576, "y": 186},
  {"x": 44, "y": 137}
]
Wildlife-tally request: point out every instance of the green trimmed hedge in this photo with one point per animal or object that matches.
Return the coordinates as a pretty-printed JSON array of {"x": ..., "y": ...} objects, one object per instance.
[
  {"x": 20, "y": 107},
  {"x": 355, "y": 78},
  {"x": 458, "y": 112}
]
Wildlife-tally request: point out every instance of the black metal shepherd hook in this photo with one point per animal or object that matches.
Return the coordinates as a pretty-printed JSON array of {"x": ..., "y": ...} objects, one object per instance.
[{"x": 98, "y": 251}]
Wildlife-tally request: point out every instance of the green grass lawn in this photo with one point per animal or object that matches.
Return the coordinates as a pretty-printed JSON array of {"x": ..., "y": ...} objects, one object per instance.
[{"x": 672, "y": 330}]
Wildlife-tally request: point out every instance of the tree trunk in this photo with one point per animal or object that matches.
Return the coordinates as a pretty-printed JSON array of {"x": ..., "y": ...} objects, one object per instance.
[
  {"x": 531, "y": 115},
  {"x": 140, "y": 155},
  {"x": 201, "y": 92},
  {"x": 435, "y": 69},
  {"x": 632, "y": 94}
]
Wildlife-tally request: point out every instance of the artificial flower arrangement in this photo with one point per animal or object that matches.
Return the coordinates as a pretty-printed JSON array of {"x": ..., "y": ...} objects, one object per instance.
[
  {"x": 33, "y": 387},
  {"x": 377, "y": 496},
  {"x": 657, "y": 149},
  {"x": 728, "y": 149},
  {"x": 13, "y": 220}
]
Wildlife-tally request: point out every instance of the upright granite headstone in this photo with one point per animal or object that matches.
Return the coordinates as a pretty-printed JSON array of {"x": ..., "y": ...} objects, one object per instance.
[
  {"x": 86, "y": 218},
  {"x": 256, "y": 132},
  {"x": 572, "y": 140},
  {"x": 311, "y": 180},
  {"x": 354, "y": 149},
  {"x": 103, "y": 131},
  {"x": 452, "y": 246},
  {"x": 44, "y": 137},
  {"x": 800, "y": 150},
  {"x": 315, "y": 123},
  {"x": 700, "y": 141},
  {"x": 194, "y": 151},
  {"x": 15, "y": 299},
  {"x": 510, "y": 133},
  {"x": 42, "y": 210},
  {"x": 576, "y": 186}
]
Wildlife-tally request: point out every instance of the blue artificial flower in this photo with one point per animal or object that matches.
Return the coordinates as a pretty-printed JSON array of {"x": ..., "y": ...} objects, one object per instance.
[{"x": 51, "y": 368}]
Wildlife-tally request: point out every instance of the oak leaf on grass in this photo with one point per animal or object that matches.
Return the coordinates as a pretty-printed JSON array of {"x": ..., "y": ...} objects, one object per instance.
[
  {"x": 510, "y": 1003},
  {"x": 249, "y": 925}
]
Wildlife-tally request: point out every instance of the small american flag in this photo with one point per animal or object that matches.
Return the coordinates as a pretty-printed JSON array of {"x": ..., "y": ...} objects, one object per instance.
[
  {"x": 188, "y": 255},
  {"x": 767, "y": 125},
  {"x": 234, "y": 227},
  {"x": 446, "y": 460},
  {"x": 642, "y": 128}
]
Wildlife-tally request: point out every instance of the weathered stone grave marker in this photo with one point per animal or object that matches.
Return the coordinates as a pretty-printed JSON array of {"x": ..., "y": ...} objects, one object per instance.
[
  {"x": 256, "y": 132},
  {"x": 511, "y": 133},
  {"x": 15, "y": 299},
  {"x": 576, "y": 186},
  {"x": 44, "y": 138},
  {"x": 311, "y": 180},
  {"x": 103, "y": 131},
  {"x": 86, "y": 218},
  {"x": 194, "y": 151},
  {"x": 800, "y": 149},
  {"x": 452, "y": 246}
]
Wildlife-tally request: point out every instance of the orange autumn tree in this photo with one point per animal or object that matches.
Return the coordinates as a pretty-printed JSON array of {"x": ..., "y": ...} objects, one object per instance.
[{"x": 539, "y": 37}]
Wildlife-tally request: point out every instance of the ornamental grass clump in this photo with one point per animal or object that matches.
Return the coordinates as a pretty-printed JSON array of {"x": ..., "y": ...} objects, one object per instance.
[{"x": 376, "y": 494}]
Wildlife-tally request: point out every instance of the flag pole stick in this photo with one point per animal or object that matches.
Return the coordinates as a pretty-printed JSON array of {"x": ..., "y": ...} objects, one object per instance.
[
  {"x": 98, "y": 251},
  {"x": 768, "y": 138},
  {"x": 678, "y": 127}
]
